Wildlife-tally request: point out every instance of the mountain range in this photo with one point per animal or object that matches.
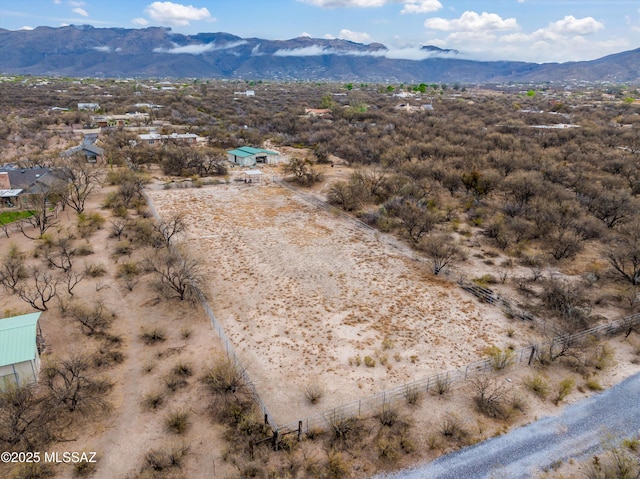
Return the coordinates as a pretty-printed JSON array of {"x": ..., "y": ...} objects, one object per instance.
[{"x": 85, "y": 51}]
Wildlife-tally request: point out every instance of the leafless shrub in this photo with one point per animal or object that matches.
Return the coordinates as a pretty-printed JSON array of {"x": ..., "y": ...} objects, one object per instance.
[
  {"x": 224, "y": 377},
  {"x": 178, "y": 275},
  {"x": 94, "y": 319},
  {"x": 73, "y": 386},
  {"x": 491, "y": 397},
  {"x": 314, "y": 391}
]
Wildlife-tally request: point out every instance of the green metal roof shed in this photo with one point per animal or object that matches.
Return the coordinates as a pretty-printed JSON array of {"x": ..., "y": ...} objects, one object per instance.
[
  {"x": 249, "y": 156},
  {"x": 18, "y": 339},
  {"x": 19, "y": 352}
]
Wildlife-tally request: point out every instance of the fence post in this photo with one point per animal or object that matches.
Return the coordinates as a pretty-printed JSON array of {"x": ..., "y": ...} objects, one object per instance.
[
  {"x": 533, "y": 351},
  {"x": 299, "y": 430}
]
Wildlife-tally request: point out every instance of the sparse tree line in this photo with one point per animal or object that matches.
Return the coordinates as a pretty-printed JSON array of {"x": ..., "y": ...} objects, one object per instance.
[{"x": 46, "y": 273}]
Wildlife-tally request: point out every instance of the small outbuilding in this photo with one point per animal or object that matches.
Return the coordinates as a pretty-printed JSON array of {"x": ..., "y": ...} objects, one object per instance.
[
  {"x": 253, "y": 176},
  {"x": 248, "y": 156},
  {"x": 20, "y": 346}
]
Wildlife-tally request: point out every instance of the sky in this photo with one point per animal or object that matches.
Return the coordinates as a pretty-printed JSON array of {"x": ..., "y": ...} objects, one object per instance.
[{"x": 527, "y": 30}]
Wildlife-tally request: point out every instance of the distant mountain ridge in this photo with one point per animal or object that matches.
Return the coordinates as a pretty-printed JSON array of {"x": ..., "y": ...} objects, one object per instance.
[{"x": 84, "y": 50}]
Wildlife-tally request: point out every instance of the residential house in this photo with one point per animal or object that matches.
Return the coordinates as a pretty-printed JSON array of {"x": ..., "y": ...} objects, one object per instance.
[
  {"x": 248, "y": 156},
  {"x": 104, "y": 121},
  {"x": 88, "y": 106},
  {"x": 16, "y": 184},
  {"x": 154, "y": 138},
  {"x": 20, "y": 348},
  {"x": 92, "y": 152}
]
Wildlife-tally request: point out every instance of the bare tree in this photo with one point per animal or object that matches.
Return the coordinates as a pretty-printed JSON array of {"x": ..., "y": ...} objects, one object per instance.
[
  {"x": 178, "y": 274},
  {"x": 42, "y": 217},
  {"x": 623, "y": 253},
  {"x": 23, "y": 419},
  {"x": 443, "y": 251},
  {"x": 347, "y": 196},
  {"x": 71, "y": 279},
  {"x": 94, "y": 320},
  {"x": 171, "y": 227},
  {"x": 39, "y": 289},
  {"x": 12, "y": 269},
  {"x": 417, "y": 218},
  {"x": 117, "y": 228},
  {"x": 491, "y": 396},
  {"x": 82, "y": 179},
  {"x": 567, "y": 301},
  {"x": 59, "y": 252},
  {"x": 303, "y": 171},
  {"x": 72, "y": 385}
]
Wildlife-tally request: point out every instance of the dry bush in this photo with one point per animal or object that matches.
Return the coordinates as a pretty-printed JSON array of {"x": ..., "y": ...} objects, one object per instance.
[
  {"x": 182, "y": 369},
  {"x": 95, "y": 270},
  {"x": 177, "y": 421},
  {"x": 159, "y": 460},
  {"x": 153, "y": 401},
  {"x": 153, "y": 335},
  {"x": 500, "y": 359},
  {"x": 413, "y": 395},
  {"x": 453, "y": 429},
  {"x": 314, "y": 391},
  {"x": 388, "y": 415},
  {"x": 538, "y": 385},
  {"x": 178, "y": 274},
  {"x": 224, "y": 377},
  {"x": 33, "y": 470},
  {"x": 337, "y": 466},
  {"x": 346, "y": 430},
  {"x": 491, "y": 397},
  {"x": 71, "y": 385},
  {"x": 443, "y": 385},
  {"x": 93, "y": 320},
  {"x": 564, "y": 389}
]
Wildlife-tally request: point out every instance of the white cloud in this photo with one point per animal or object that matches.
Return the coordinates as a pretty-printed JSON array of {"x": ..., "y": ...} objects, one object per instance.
[
  {"x": 571, "y": 25},
  {"x": 80, "y": 11},
  {"x": 199, "y": 49},
  {"x": 305, "y": 34},
  {"x": 176, "y": 13},
  {"x": 75, "y": 3},
  {"x": 358, "y": 37},
  {"x": 105, "y": 49},
  {"x": 143, "y": 22},
  {"x": 421, "y": 6},
  {"x": 57, "y": 2},
  {"x": 472, "y": 22},
  {"x": 312, "y": 51},
  {"x": 413, "y": 53},
  {"x": 349, "y": 3},
  {"x": 26, "y": 27}
]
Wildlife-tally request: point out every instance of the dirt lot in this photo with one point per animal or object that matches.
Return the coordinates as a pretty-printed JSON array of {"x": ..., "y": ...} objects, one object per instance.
[{"x": 302, "y": 293}]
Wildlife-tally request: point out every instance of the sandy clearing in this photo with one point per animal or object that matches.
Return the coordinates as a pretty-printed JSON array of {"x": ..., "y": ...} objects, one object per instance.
[{"x": 299, "y": 292}]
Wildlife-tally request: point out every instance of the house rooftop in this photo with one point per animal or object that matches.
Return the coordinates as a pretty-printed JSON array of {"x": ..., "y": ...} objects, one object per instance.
[
  {"x": 245, "y": 151},
  {"x": 18, "y": 338}
]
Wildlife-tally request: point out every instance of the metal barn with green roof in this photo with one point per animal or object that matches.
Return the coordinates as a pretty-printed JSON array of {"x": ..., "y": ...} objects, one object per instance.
[
  {"x": 249, "y": 156},
  {"x": 19, "y": 354}
]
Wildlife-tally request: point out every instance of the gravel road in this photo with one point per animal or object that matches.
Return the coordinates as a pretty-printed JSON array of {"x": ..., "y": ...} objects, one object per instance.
[{"x": 576, "y": 433}]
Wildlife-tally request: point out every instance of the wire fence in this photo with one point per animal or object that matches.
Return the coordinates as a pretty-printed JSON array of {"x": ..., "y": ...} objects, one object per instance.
[
  {"x": 375, "y": 403},
  {"x": 231, "y": 354}
]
